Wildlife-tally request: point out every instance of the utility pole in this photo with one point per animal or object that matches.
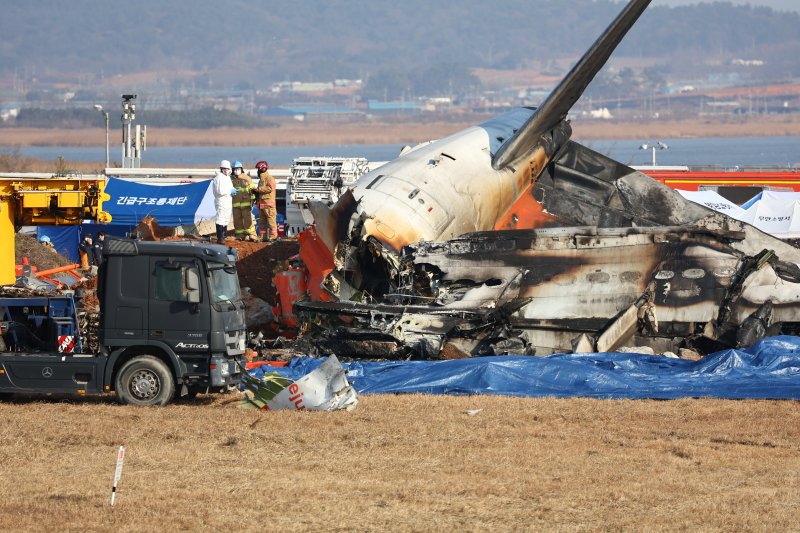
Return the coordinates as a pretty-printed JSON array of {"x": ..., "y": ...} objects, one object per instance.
[
  {"x": 128, "y": 116},
  {"x": 99, "y": 108},
  {"x": 657, "y": 145}
]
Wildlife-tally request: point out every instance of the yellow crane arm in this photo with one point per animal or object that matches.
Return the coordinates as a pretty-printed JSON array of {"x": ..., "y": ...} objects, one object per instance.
[{"x": 33, "y": 201}]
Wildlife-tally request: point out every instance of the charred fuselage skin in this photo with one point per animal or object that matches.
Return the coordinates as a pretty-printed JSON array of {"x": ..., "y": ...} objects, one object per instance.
[
  {"x": 548, "y": 287},
  {"x": 628, "y": 240},
  {"x": 574, "y": 280}
]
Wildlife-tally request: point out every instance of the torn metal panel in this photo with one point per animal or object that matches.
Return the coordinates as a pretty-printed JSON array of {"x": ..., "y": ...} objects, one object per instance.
[
  {"x": 584, "y": 187},
  {"x": 324, "y": 389},
  {"x": 619, "y": 331}
]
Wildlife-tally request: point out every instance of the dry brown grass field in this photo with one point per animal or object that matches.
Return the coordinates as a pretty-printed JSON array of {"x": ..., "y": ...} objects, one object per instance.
[{"x": 407, "y": 463}]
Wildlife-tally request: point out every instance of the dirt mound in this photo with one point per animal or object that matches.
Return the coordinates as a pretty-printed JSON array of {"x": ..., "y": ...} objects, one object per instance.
[
  {"x": 258, "y": 262},
  {"x": 39, "y": 255}
]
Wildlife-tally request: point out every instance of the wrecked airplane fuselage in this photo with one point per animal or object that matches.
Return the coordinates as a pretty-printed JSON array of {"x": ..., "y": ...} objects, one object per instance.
[
  {"x": 565, "y": 289},
  {"x": 644, "y": 268},
  {"x": 508, "y": 237}
]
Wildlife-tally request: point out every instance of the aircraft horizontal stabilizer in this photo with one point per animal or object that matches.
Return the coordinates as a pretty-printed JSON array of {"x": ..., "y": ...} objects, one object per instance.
[{"x": 555, "y": 108}]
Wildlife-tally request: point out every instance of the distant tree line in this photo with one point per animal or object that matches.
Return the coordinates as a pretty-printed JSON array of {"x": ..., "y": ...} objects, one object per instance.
[{"x": 309, "y": 40}]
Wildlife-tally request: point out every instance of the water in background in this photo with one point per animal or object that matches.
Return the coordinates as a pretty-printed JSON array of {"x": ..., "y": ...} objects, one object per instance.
[
  {"x": 210, "y": 156},
  {"x": 726, "y": 152}
]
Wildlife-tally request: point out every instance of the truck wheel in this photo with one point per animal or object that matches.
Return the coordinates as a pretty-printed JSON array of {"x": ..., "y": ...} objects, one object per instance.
[{"x": 145, "y": 380}]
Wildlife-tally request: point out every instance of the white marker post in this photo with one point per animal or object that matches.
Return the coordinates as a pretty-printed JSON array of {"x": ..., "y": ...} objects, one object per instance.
[{"x": 117, "y": 473}]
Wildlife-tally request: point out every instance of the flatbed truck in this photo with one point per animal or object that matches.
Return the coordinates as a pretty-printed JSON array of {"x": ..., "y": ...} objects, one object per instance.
[{"x": 171, "y": 324}]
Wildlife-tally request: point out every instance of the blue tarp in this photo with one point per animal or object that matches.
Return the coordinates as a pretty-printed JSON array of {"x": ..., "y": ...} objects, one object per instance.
[
  {"x": 768, "y": 369},
  {"x": 171, "y": 205},
  {"x": 66, "y": 239}
]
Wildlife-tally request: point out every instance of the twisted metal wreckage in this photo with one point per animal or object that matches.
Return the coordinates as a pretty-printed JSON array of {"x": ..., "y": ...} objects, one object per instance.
[{"x": 508, "y": 237}]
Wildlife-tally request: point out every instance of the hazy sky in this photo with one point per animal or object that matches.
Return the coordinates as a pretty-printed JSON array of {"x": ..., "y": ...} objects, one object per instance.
[{"x": 784, "y": 5}]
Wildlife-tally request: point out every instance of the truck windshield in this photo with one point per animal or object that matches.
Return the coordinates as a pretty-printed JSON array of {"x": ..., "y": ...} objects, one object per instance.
[{"x": 224, "y": 285}]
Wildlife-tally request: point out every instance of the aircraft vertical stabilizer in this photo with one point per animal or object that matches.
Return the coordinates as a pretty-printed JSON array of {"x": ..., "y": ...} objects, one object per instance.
[{"x": 555, "y": 108}]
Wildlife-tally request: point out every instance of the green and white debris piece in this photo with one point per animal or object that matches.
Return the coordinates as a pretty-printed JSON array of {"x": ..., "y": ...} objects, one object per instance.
[{"x": 323, "y": 389}]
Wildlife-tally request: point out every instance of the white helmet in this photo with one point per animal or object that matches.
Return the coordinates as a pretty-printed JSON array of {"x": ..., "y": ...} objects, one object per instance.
[{"x": 225, "y": 164}]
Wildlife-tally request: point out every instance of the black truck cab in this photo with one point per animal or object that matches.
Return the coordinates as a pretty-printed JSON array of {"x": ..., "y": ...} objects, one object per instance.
[{"x": 171, "y": 322}]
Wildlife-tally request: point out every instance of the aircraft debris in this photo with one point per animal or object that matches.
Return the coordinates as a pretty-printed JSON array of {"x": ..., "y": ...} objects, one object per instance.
[{"x": 324, "y": 389}]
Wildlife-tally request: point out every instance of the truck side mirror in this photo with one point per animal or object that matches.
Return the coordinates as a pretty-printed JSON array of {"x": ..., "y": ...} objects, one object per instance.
[{"x": 192, "y": 279}]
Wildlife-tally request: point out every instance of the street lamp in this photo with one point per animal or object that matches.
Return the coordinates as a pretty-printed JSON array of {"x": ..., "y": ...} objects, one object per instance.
[
  {"x": 99, "y": 108},
  {"x": 658, "y": 145}
]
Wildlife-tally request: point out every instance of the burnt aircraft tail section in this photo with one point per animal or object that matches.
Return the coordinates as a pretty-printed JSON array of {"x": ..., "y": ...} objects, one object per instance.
[{"x": 560, "y": 101}]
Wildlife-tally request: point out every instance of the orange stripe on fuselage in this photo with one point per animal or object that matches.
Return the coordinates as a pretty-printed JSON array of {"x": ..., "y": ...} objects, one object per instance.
[{"x": 525, "y": 213}]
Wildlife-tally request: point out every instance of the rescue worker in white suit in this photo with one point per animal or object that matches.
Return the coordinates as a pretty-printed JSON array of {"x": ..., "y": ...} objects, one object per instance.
[{"x": 222, "y": 187}]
